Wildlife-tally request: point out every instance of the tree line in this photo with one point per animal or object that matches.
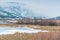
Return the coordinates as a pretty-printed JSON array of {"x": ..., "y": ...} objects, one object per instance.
[{"x": 42, "y": 22}]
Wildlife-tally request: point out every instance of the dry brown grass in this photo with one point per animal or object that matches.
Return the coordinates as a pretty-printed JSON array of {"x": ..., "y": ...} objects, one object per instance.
[
  {"x": 50, "y": 28},
  {"x": 17, "y": 36},
  {"x": 47, "y": 36},
  {"x": 37, "y": 36}
]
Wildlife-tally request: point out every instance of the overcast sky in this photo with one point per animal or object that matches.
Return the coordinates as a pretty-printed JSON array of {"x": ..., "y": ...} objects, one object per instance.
[{"x": 50, "y": 8}]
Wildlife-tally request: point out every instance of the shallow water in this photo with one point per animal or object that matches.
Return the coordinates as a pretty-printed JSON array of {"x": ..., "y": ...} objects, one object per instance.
[{"x": 12, "y": 30}]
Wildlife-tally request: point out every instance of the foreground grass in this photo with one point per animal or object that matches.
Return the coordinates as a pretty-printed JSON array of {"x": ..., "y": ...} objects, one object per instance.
[
  {"x": 47, "y": 36},
  {"x": 37, "y": 36},
  {"x": 17, "y": 36}
]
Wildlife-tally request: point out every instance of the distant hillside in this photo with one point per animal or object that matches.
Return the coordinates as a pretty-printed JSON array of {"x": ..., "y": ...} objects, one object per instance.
[
  {"x": 14, "y": 10},
  {"x": 55, "y": 18}
]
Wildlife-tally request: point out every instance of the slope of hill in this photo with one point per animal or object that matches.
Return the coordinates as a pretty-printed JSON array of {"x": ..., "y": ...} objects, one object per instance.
[
  {"x": 56, "y": 18},
  {"x": 14, "y": 10}
]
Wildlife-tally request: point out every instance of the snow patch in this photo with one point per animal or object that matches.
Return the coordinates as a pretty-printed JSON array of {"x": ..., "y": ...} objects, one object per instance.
[{"x": 12, "y": 30}]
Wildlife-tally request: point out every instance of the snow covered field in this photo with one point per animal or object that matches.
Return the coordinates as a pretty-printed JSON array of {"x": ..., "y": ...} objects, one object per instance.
[{"x": 12, "y": 30}]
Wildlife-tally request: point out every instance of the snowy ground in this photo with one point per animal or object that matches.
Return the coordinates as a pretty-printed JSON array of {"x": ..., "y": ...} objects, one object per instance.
[{"x": 12, "y": 30}]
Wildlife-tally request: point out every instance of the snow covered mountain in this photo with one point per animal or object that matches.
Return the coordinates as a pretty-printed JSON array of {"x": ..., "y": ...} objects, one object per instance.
[{"x": 14, "y": 10}]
